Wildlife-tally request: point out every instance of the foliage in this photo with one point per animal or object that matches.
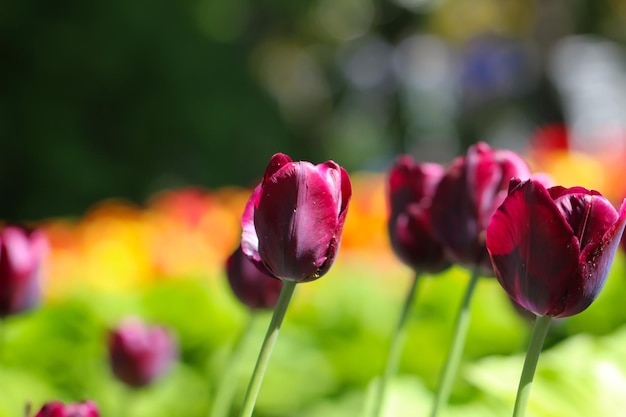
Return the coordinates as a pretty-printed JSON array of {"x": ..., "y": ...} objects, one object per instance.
[{"x": 333, "y": 345}]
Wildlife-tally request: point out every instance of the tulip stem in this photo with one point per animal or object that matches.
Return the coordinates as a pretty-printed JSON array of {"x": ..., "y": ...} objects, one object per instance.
[
  {"x": 540, "y": 330},
  {"x": 453, "y": 360},
  {"x": 227, "y": 387},
  {"x": 395, "y": 350},
  {"x": 266, "y": 348}
]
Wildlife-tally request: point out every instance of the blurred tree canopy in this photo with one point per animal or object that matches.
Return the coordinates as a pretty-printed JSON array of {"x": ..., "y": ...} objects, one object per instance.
[
  {"x": 119, "y": 99},
  {"x": 124, "y": 98}
]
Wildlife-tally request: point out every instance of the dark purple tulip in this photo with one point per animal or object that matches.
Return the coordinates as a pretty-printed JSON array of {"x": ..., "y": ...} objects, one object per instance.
[
  {"x": 293, "y": 221},
  {"x": 469, "y": 193},
  {"x": 58, "y": 409},
  {"x": 256, "y": 288},
  {"x": 552, "y": 249},
  {"x": 139, "y": 353},
  {"x": 21, "y": 254},
  {"x": 410, "y": 190}
]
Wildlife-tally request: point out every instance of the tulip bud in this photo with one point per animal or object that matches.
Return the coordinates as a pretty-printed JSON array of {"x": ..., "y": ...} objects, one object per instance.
[
  {"x": 139, "y": 353},
  {"x": 552, "y": 249},
  {"x": 410, "y": 190},
  {"x": 293, "y": 221},
  {"x": 256, "y": 288},
  {"x": 58, "y": 409},
  {"x": 469, "y": 193},
  {"x": 21, "y": 254}
]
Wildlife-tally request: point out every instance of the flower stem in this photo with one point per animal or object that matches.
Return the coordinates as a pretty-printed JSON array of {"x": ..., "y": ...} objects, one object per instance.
[
  {"x": 542, "y": 324},
  {"x": 227, "y": 387},
  {"x": 456, "y": 350},
  {"x": 395, "y": 350},
  {"x": 266, "y": 348}
]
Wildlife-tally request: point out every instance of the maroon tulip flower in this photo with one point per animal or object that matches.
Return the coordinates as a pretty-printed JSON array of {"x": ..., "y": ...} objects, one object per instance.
[
  {"x": 256, "y": 288},
  {"x": 293, "y": 221},
  {"x": 21, "y": 254},
  {"x": 58, "y": 409},
  {"x": 552, "y": 248},
  {"x": 139, "y": 353},
  {"x": 410, "y": 190},
  {"x": 471, "y": 190}
]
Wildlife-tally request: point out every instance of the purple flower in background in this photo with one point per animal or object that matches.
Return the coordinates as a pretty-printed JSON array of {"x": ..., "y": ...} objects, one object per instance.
[
  {"x": 410, "y": 189},
  {"x": 256, "y": 288},
  {"x": 493, "y": 68},
  {"x": 469, "y": 193},
  {"x": 293, "y": 221},
  {"x": 552, "y": 249},
  {"x": 58, "y": 409},
  {"x": 21, "y": 254},
  {"x": 140, "y": 353}
]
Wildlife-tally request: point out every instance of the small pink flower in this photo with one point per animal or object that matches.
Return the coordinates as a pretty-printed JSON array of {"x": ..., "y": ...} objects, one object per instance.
[
  {"x": 58, "y": 409},
  {"x": 139, "y": 353},
  {"x": 21, "y": 254},
  {"x": 252, "y": 285}
]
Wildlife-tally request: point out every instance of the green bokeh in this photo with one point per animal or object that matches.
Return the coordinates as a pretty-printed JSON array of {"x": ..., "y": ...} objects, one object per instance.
[{"x": 332, "y": 345}]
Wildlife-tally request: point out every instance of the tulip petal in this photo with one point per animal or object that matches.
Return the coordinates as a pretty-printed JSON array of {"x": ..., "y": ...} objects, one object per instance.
[
  {"x": 589, "y": 214},
  {"x": 249, "y": 239},
  {"x": 410, "y": 182},
  {"x": 277, "y": 161},
  {"x": 18, "y": 256},
  {"x": 297, "y": 218},
  {"x": 454, "y": 219},
  {"x": 533, "y": 249},
  {"x": 333, "y": 247},
  {"x": 411, "y": 238},
  {"x": 489, "y": 172},
  {"x": 595, "y": 262}
]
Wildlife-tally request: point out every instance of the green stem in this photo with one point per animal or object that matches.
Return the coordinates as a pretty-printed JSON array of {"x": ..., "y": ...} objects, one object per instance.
[
  {"x": 395, "y": 350},
  {"x": 227, "y": 386},
  {"x": 266, "y": 349},
  {"x": 540, "y": 330},
  {"x": 453, "y": 361}
]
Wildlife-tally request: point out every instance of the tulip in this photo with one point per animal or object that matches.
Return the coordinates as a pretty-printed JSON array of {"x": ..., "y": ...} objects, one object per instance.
[
  {"x": 21, "y": 254},
  {"x": 552, "y": 250},
  {"x": 293, "y": 221},
  {"x": 292, "y": 227},
  {"x": 58, "y": 409},
  {"x": 469, "y": 193},
  {"x": 139, "y": 353},
  {"x": 410, "y": 190},
  {"x": 255, "y": 287},
  {"x": 471, "y": 190}
]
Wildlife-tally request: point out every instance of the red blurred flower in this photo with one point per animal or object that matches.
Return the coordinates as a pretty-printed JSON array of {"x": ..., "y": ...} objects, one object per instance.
[
  {"x": 469, "y": 193},
  {"x": 139, "y": 353},
  {"x": 21, "y": 254},
  {"x": 293, "y": 221},
  {"x": 552, "y": 249},
  {"x": 58, "y": 409},
  {"x": 256, "y": 288},
  {"x": 410, "y": 190}
]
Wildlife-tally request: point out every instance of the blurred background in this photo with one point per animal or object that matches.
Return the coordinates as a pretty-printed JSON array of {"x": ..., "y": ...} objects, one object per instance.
[
  {"x": 126, "y": 98},
  {"x": 131, "y": 131}
]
